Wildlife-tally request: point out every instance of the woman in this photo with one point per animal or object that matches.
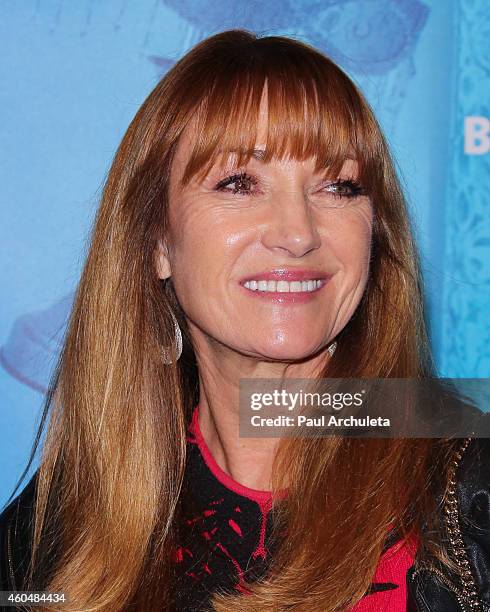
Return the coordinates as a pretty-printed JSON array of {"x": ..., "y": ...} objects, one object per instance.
[{"x": 251, "y": 226}]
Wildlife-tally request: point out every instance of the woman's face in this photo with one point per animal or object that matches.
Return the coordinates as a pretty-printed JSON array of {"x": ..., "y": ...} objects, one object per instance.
[{"x": 279, "y": 227}]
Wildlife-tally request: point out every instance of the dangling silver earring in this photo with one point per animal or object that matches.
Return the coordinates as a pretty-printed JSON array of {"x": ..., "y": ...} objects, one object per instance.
[
  {"x": 331, "y": 347},
  {"x": 172, "y": 354}
]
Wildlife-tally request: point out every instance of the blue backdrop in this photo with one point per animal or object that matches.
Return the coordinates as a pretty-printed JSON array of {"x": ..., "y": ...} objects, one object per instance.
[{"x": 74, "y": 74}]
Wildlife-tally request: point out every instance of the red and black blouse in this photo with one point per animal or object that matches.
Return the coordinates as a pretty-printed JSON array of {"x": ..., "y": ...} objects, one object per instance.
[{"x": 225, "y": 539}]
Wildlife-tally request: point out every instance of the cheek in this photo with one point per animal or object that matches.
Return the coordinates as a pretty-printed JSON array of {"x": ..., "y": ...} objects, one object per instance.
[
  {"x": 206, "y": 244},
  {"x": 358, "y": 252},
  {"x": 190, "y": 238},
  {"x": 205, "y": 226},
  {"x": 349, "y": 236}
]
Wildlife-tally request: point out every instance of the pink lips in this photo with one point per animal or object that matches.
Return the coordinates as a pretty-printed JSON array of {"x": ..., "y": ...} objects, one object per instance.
[{"x": 287, "y": 274}]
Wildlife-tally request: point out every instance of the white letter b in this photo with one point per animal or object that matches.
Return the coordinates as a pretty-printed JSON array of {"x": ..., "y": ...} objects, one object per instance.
[{"x": 476, "y": 135}]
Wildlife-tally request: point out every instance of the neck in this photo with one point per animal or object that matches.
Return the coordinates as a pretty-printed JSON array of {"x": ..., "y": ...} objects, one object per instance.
[{"x": 248, "y": 461}]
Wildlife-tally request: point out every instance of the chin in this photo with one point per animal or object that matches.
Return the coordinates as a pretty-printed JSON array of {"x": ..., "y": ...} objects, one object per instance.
[{"x": 289, "y": 351}]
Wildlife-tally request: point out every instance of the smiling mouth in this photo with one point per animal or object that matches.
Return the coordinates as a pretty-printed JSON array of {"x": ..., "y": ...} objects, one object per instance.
[
  {"x": 284, "y": 286},
  {"x": 293, "y": 292}
]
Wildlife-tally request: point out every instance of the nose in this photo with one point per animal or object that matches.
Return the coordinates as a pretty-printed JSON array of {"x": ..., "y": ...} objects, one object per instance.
[{"x": 291, "y": 227}]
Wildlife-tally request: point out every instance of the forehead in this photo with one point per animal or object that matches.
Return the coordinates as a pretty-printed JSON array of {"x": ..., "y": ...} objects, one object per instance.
[
  {"x": 299, "y": 124},
  {"x": 223, "y": 156},
  {"x": 190, "y": 134}
]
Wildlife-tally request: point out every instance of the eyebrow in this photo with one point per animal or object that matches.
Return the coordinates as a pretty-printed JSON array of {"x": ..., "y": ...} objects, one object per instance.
[{"x": 258, "y": 154}]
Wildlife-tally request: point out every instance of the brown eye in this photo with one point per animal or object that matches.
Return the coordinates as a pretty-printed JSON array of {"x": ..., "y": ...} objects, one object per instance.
[
  {"x": 345, "y": 189},
  {"x": 243, "y": 183}
]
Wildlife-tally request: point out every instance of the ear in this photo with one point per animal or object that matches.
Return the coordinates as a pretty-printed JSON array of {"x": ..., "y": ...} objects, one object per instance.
[{"x": 162, "y": 262}]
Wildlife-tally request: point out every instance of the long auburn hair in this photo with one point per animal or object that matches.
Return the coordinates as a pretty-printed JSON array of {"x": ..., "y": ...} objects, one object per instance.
[{"x": 112, "y": 464}]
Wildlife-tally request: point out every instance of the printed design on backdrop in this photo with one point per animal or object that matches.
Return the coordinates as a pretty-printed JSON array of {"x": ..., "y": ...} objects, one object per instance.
[
  {"x": 465, "y": 336},
  {"x": 374, "y": 40}
]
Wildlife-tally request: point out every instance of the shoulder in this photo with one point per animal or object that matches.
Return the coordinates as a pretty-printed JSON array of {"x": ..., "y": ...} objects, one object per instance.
[
  {"x": 24, "y": 499},
  {"x": 473, "y": 501},
  {"x": 469, "y": 516},
  {"x": 21, "y": 506},
  {"x": 466, "y": 513},
  {"x": 477, "y": 452},
  {"x": 16, "y": 521},
  {"x": 473, "y": 475}
]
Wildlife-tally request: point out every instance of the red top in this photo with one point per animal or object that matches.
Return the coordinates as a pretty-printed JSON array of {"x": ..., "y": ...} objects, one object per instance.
[{"x": 233, "y": 521}]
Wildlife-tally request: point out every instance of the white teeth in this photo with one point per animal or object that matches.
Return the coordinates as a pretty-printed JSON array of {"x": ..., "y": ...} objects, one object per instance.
[{"x": 283, "y": 286}]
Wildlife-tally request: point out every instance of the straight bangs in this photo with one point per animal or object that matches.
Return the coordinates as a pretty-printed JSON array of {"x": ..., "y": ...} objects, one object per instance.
[{"x": 314, "y": 111}]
